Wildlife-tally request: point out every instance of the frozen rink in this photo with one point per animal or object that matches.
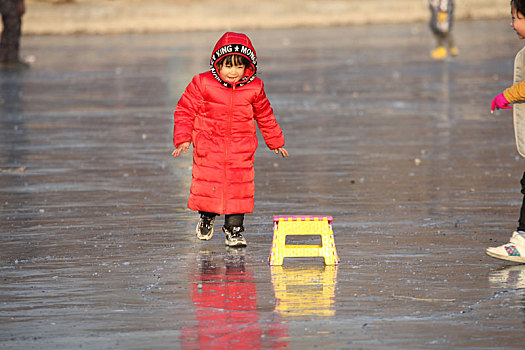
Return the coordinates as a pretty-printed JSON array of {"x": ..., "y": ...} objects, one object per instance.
[{"x": 98, "y": 251}]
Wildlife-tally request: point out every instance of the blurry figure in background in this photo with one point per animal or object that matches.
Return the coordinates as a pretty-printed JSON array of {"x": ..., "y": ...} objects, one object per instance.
[
  {"x": 441, "y": 20},
  {"x": 514, "y": 250},
  {"x": 12, "y": 12}
]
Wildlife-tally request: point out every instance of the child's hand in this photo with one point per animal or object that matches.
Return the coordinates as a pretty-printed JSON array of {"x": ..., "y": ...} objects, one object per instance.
[
  {"x": 499, "y": 102},
  {"x": 183, "y": 147},
  {"x": 281, "y": 150}
]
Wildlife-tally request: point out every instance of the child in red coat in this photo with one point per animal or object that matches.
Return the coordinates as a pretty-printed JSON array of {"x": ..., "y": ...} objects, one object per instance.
[{"x": 217, "y": 113}]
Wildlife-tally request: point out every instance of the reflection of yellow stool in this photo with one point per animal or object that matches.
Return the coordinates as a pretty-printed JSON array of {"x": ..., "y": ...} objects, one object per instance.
[
  {"x": 304, "y": 291},
  {"x": 303, "y": 226}
]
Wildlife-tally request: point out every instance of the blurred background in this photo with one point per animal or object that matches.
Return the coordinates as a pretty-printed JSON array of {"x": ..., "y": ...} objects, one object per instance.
[{"x": 139, "y": 16}]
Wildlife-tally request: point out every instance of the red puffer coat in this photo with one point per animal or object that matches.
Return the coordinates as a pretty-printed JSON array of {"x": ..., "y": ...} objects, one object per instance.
[{"x": 220, "y": 121}]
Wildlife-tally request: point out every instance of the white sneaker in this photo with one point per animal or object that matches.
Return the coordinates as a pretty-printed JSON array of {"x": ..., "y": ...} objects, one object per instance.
[{"x": 512, "y": 251}]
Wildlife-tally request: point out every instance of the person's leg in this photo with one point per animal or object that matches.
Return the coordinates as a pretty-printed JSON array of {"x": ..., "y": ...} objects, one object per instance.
[
  {"x": 233, "y": 220},
  {"x": 204, "y": 227},
  {"x": 514, "y": 250},
  {"x": 3, "y": 39},
  {"x": 207, "y": 214},
  {"x": 449, "y": 40},
  {"x": 440, "y": 52},
  {"x": 521, "y": 221},
  {"x": 12, "y": 29},
  {"x": 440, "y": 38}
]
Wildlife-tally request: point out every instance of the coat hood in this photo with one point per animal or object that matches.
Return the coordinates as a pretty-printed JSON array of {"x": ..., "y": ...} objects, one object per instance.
[{"x": 234, "y": 44}]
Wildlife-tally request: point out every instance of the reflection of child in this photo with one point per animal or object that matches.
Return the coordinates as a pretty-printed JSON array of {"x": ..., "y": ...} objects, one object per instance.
[
  {"x": 515, "y": 249},
  {"x": 441, "y": 20},
  {"x": 225, "y": 309},
  {"x": 218, "y": 112}
]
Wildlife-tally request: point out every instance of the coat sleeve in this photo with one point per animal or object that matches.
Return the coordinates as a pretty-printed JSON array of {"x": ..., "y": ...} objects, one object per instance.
[
  {"x": 515, "y": 93},
  {"x": 263, "y": 114},
  {"x": 185, "y": 112}
]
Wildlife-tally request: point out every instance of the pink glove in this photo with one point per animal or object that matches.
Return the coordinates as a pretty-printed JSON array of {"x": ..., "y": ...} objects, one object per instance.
[{"x": 500, "y": 102}]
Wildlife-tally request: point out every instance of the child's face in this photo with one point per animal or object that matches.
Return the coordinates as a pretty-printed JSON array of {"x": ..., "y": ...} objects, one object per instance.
[
  {"x": 518, "y": 23},
  {"x": 231, "y": 73}
]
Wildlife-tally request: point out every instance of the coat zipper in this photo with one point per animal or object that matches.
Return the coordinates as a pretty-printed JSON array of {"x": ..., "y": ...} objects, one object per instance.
[{"x": 227, "y": 150}]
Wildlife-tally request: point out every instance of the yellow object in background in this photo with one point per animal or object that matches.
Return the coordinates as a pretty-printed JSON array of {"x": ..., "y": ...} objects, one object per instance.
[
  {"x": 441, "y": 17},
  {"x": 439, "y": 53}
]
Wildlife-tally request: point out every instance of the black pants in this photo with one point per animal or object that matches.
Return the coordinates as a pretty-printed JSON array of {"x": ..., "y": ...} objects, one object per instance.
[
  {"x": 12, "y": 23},
  {"x": 444, "y": 39},
  {"x": 230, "y": 220},
  {"x": 521, "y": 222}
]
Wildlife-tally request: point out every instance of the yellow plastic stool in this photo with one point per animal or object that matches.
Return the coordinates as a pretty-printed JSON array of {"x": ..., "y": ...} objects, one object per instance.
[{"x": 303, "y": 225}]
